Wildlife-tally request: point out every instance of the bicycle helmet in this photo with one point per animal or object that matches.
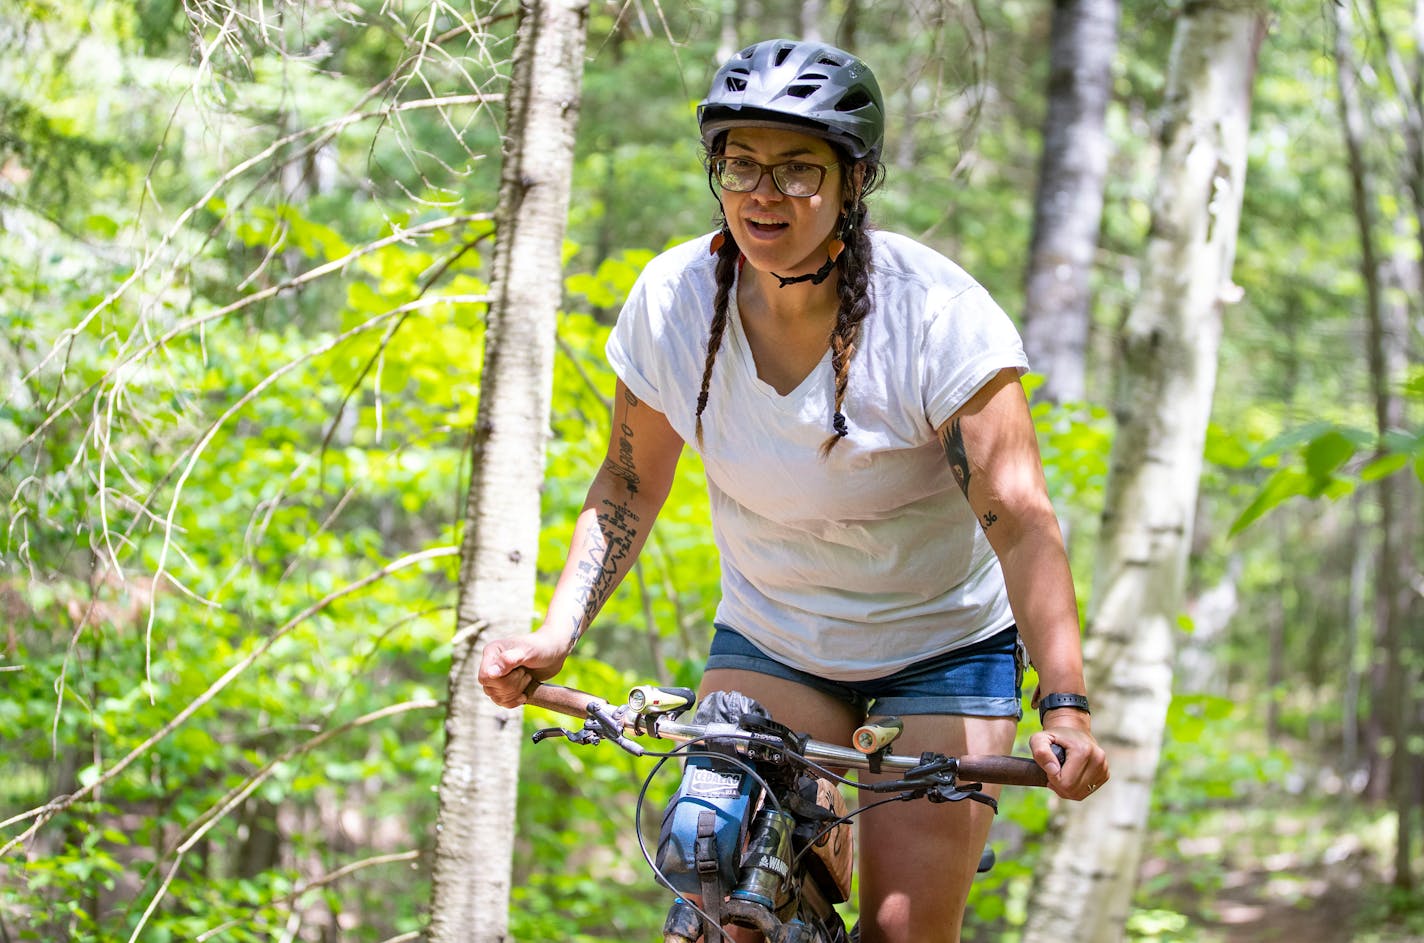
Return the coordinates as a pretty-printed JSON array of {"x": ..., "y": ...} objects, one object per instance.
[{"x": 804, "y": 86}]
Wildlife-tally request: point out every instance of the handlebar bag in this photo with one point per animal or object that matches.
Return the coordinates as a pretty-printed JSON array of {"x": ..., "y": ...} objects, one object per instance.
[{"x": 710, "y": 784}]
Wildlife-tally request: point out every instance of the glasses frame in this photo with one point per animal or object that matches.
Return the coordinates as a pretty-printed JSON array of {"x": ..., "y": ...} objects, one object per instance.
[{"x": 770, "y": 169}]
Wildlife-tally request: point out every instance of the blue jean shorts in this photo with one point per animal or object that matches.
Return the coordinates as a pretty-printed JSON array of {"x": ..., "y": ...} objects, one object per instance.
[{"x": 980, "y": 680}]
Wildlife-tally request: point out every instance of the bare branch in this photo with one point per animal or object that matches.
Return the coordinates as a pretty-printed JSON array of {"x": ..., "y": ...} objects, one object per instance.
[
  {"x": 204, "y": 823},
  {"x": 202, "y": 444},
  {"x": 311, "y": 275},
  {"x": 330, "y": 877},
  {"x": 48, "y": 811},
  {"x": 324, "y": 131}
]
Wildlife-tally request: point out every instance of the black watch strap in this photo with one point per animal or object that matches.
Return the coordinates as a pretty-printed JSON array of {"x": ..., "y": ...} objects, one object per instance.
[{"x": 1050, "y": 702}]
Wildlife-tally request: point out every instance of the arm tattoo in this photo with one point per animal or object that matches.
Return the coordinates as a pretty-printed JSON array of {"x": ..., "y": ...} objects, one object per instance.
[
  {"x": 610, "y": 544},
  {"x": 614, "y": 533},
  {"x": 953, "y": 442},
  {"x": 623, "y": 466}
]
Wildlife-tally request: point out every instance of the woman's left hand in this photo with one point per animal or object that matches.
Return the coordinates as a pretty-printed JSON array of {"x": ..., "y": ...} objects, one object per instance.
[{"x": 1084, "y": 768}]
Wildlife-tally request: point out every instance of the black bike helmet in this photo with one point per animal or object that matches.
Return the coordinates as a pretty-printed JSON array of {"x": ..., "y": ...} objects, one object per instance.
[{"x": 805, "y": 86}]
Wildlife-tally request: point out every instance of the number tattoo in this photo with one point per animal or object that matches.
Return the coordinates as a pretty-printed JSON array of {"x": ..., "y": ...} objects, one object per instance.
[{"x": 953, "y": 442}]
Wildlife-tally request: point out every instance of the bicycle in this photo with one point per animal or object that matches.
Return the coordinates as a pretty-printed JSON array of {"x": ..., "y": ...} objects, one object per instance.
[{"x": 758, "y": 830}]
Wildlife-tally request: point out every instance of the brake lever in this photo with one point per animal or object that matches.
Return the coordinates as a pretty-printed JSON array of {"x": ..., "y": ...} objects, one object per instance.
[
  {"x": 961, "y": 791},
  {"x": 601, "y": 725},
  {"x": 610, "y": 727},
  {"x": 583, "y": 737}
]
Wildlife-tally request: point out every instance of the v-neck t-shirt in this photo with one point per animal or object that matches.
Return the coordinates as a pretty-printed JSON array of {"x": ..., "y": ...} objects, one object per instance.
[{"x": 857, "y": 565}]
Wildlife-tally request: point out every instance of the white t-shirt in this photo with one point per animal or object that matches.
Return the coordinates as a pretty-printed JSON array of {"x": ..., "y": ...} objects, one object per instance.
[{"x": 858, "y": 565}]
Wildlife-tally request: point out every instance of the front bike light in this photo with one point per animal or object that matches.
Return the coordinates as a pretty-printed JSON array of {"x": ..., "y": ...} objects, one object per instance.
[{"x": 650, "y": 699}]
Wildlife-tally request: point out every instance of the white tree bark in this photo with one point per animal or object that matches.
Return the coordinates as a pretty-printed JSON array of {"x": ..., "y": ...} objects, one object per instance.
[
  {"x": 1168, "y": 373},
  {"x": 475, "y": 834},
  {"x": 812, "y": 12}
]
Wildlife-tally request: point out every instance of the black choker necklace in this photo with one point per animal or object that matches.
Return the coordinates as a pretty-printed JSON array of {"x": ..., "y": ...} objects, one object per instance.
[{"x": 815, "y": 278}]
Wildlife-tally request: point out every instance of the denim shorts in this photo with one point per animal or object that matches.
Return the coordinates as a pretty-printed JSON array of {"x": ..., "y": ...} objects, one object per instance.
[{"x": 980, "y": 680}]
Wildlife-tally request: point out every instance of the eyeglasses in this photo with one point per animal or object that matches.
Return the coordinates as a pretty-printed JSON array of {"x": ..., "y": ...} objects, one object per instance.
[{"x": 793, "y": 178}]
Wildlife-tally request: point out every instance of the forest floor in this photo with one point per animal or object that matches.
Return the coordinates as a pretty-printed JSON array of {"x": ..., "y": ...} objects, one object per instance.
[{"x": 1298, "y": 875}]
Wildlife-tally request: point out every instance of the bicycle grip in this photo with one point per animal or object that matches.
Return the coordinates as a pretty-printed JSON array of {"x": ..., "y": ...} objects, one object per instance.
[
  {"x": 556, "y": 697},
  {"x": 1006, "y": 770}
]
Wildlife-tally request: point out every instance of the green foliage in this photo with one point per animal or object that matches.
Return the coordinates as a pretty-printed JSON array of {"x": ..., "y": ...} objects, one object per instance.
[
  {"x": 234, "y": 430},
  {"x": 233, "y": 390},
  {"x": 1318, "y": 460}
]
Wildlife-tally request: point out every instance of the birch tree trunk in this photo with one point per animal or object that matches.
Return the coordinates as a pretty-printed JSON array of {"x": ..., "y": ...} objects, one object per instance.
[
  {"x": 1069, "y": 206},
  {"x": 1169, "y": 349},
  {"x": 1386, "y": 317},
  {"x": 809, "y": 21},
  {"x": 728, "y": 42},
  {"x": 475, "y": 830}
]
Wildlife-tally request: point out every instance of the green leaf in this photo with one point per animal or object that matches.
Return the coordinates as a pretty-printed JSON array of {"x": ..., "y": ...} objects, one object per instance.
[
  {"x": 1291, "y": 439},
  {"x": 1285, "y": 483},
  {"x": 1326, "y": 453},
  {"x": 1224, "y": 449},
  {"x": 100, "y": 225},
  {"x": 1383, "y": 467}
]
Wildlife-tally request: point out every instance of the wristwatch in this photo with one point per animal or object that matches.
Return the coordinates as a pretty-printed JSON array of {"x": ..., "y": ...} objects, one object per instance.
[{"x": 1049, "y": 702}]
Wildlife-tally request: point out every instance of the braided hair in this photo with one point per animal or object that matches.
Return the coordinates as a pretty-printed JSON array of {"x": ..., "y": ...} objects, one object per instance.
[
  {"x": 728, "y": 257},
  {"x": 853, "y": 267}
]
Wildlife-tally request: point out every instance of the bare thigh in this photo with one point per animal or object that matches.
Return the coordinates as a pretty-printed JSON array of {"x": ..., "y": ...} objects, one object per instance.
[
  {"x": 803, "y": 709},
  {"x": 917, "y": 859}
]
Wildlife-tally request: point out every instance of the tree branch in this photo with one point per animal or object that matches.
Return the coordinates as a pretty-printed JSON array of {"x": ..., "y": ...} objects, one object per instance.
[
  {"x": 328, "y": 878},
  {"x": 48, "y": 811},
  {"x": 204, "y": 823}
]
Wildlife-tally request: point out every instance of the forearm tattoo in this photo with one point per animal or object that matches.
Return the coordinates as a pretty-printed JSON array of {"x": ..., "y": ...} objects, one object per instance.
[
  {"x": 953, "y": 442},
  {"x": 609, "y": 545},
  {"x": 614, "y": 534}
]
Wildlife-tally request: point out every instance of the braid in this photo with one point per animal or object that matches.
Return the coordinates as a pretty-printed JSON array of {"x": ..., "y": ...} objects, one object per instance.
[
  {"x": 727, "y": 256},
  {"x": 853, "y": 292}
]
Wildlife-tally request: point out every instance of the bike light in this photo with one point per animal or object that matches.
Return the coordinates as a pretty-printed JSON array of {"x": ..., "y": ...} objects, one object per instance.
[
  {"x": 650, "y": 699},
  {"x": 877, "y": 734}
]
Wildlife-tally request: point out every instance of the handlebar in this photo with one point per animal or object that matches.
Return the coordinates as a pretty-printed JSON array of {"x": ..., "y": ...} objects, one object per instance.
[{"x": 1006, "y": 770}]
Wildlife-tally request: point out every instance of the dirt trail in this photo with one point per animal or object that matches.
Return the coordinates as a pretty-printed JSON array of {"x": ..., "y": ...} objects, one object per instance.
[{"x": 1280, "y": 907}]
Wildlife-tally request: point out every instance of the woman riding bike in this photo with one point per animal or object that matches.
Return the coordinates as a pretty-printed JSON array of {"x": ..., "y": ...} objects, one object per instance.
[{"x": 878, "y": 501}]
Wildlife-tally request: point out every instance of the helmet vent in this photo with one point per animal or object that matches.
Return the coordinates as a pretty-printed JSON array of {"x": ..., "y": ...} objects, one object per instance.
[
  {"x": 854, "y": 101},
  {"x": 736, "y": 84},
  {"x": 801, "y": 91},
  {"x": 781, "y": 53}
]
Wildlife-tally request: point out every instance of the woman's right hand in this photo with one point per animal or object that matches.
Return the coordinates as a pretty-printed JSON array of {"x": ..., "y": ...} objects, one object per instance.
[{"x": 510, "y": 664}]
